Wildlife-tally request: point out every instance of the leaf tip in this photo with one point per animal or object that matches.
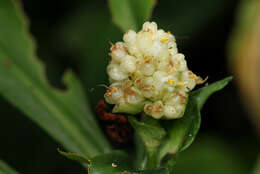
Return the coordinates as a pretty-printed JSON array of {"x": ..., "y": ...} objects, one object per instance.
[{"x": 74, "y": 156}]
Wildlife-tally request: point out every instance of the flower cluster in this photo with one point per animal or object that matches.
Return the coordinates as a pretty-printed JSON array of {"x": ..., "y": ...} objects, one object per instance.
[{"x": 148, "y": 74}]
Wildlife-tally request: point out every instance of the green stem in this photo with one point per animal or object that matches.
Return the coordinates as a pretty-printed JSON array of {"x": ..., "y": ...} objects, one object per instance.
[{"x": 152, "y": 161}]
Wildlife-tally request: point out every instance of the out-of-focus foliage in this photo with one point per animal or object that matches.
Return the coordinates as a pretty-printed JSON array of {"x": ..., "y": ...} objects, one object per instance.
[
  {"x": 257, "y": 167},
  {"x": 187, "y": 19},
  {"x": 63, "y": 114},
  {"x": 131, "y": 14},
  {"x": 84, "y": 37},
  {"x": 211, "y": 155},
  {"x": 5, "y": 169},
  {"x": 244, "y": 54}
]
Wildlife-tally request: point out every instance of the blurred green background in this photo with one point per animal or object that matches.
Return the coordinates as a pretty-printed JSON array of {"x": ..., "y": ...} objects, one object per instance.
[{"x": 76, "y": 35}]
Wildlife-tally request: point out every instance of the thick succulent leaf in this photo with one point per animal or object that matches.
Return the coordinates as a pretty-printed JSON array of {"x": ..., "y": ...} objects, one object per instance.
[
  {"x": 5, "y": 169},
  {"x": 182, "y": 132},
  {"x": 74, "y": 156},
  {"x": 131, "y": 14},
  {"x": 63, "y": 114},
  {"x": 118, "y": 162}
]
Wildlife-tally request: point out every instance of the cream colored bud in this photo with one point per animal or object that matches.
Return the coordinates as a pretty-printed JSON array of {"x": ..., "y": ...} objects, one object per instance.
[
  {"x": 128, "y": 64},
  {"x": 155, "y": 109},
  {"x": 150, "y": 26},
  {"x": 147, "y": 69},
  {"x": 133, "y": 96},
  {"x": 173, "y": 112},
  {"x": 114, "y": 94},
  {"x": 172, "y": 46},
  {"x": 181, "y": 64},
  {"x": 115, "y": 73},
  {"x": 148, "y": 87},
  {"x": 144, "y": 42},
  {"x": 118, "y": 51},
  {"x": 170, "y": 111},
  {"x": 130, "y": 37},
  {"x": 189, "y": 81}
]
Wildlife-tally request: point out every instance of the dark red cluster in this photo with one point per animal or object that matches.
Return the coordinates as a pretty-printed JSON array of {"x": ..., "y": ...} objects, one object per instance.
[{"x": 117, "y": 126}]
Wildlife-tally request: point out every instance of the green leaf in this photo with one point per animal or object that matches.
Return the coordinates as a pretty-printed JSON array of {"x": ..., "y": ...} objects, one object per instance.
[
  {"x": 74, "y": 37},
  {"x": 74, "y": 156},
  {"x": 5, "y": 169},
  {"x": 131, "y": 14},
  {"x": 200, "y": 96},
  {"x": 182, "y": 132},
  {"x": 118, "y": 162},
  {"x": 151, "y": 134},
  {"x": 140, "y": 154},
  {"x": 112, "y": 163},
  {"x": 257, "y": 166},
  {"x": 63, "y": 114}
]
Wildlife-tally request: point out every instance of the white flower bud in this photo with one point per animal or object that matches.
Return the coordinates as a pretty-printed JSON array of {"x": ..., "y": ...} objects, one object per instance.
[
  {"x": 148, "y": 87},
  {"x": 180, "y": 62},
  {"x": 147, "y": 69},
  {"x": 189, "y": 80},
  {"x": 128, "y": 64},
  {"x": 170, "y": 111},
  {"x": 130, "y": 37},
  {"x": 147, "y": 74},
  {"x": 118, "y": 51},
  {"x": 147, "y": 26},
  {"x": 156, "y": 109},
  {"x": 172, "y": 46},
  {"x": 115, "y": 72},
  {"x": 144, "y": 42},
  {"x": 130, "y": 40},
  {"x": 114, "y": 94},
  {"x": 133, "y": 96}
]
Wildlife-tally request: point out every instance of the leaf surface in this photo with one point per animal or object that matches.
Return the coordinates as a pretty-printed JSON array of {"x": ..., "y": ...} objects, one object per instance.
[
  {"x": 74, "y": 156},
  {"x": 131, "y": 14},
  {"x": 151, "y": 134},
  {"x": 64, "y": 114},
  {"x": 5, "y": 169},
  {"x": 118, "y": 162}
]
